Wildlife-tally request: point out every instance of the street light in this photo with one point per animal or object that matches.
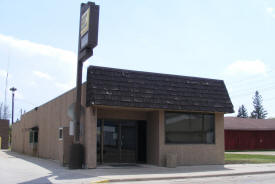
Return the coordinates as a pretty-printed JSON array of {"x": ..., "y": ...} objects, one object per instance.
[{"x": 13, "y": 89}]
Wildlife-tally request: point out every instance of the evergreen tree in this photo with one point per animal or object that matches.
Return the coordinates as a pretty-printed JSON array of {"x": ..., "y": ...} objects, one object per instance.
[
  {"x": 258, "y": 112},
  {"x": 242, "y": 112}
]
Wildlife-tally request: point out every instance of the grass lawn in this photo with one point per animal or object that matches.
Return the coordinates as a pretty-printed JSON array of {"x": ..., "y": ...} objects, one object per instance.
[{"x": 231, "y": 158}]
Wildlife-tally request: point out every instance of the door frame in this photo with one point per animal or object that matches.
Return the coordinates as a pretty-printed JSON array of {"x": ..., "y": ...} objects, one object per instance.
[{"x": 118, "y": 122}]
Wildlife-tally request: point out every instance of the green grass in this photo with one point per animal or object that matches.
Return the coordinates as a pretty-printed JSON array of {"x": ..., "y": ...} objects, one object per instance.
[
  {"x": 248, "y": 159},
  {"x": 250, "y": 150}
]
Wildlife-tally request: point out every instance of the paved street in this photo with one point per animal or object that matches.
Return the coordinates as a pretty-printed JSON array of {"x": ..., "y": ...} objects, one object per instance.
[
  {"x": 251, "y": 179},
  {"x": 18, "y": 168}
]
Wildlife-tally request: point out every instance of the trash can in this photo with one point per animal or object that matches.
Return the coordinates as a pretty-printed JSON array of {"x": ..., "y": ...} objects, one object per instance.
[
  {"x": 76, "y": 156},
  {"x": 171, "y": 160}
]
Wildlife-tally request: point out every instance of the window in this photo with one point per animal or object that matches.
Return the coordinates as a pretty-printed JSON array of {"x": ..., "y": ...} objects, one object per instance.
[
  {"x": 60, "y": 133},
  {"x": 189, "y": 128},
  {"x": 33, "y": 136}
]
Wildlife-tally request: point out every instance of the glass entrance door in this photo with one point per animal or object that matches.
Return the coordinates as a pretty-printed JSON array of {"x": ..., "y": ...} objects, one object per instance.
[
  {"x": 111, "y": 143},
  {"x": 117, "y": 141},
  {"x": 128, "y": 142}
]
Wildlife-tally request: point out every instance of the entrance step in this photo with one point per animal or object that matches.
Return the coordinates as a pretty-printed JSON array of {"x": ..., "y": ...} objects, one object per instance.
[{"x": 120, "y": 166}]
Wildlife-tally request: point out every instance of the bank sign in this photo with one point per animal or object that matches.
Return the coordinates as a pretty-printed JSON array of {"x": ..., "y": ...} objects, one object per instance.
[
  {"x": 85, "y": 22},
  {"x": 88, "y": 31}
]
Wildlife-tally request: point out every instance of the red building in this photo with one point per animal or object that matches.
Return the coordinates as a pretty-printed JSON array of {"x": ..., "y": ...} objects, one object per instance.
[
  {"x": 249, "y": 134},
  {"x": 4, "y": 134}
]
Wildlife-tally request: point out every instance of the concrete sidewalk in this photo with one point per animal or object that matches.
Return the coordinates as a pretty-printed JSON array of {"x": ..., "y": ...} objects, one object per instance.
[
  {"x": 18, "y": 168},
  {"x": 146, "y": 172}
]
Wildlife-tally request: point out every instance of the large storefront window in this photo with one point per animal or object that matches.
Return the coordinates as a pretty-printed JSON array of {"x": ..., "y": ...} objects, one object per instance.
[{"x": 189, "y": 128}]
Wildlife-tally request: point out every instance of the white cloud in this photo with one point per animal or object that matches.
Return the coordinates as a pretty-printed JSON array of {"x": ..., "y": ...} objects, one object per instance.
[
  {"x": 40, "y": 65},
  {"x": 250, "y": 67},
  {"x": 44, "y": 52},
  {"x": 3, "y": 73},
  {"x": 64, "y": 86},
  {"x": 32, "y": 83},
  {"x": 18, "y": 95},
  {"x": 42, "y": 75},
  {"x": 271, "y": 11},
  {"x": 32, "y": 48}
]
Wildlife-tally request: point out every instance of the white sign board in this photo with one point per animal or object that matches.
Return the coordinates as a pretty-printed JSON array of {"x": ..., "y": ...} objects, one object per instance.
[
  {"x": 84, "y": 25},
  {"x": 71, "y": 130}
]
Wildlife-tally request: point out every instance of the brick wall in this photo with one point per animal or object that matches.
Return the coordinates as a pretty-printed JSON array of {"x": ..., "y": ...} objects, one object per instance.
[{"x": 4, "y": 133}]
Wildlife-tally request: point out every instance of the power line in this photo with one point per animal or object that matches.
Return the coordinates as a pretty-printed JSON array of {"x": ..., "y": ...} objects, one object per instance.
[
  {"x": 237, "y": 81},
  {"x": 269, "y": 84},
  {"x": 26, "y": 102},
  {"x": 266, "y": 101},
  {"x": 247, "y": 92}
]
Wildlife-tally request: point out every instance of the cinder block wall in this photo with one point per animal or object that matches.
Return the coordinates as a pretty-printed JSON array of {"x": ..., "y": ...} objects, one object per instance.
[
  {"x": 52, "y": 115},
  {"x": 17, "y": 143},
  {"x": 4, "y": 133},
  {"x": 48, "y": 117},
  {"x": 157, "y": 150}
]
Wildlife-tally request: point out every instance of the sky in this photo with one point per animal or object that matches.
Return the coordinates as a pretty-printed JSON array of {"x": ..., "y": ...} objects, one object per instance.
[{"x": 228, "y": 40}]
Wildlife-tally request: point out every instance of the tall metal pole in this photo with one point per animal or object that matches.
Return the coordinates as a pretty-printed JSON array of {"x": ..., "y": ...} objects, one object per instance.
[
  {"x": 78, "y": 101},
  {"x": 12, "y": 108},
  {"x": 88, "y": 30},
  {"x": 82, "y": 55},
  {"x": 13, "y": 89}
]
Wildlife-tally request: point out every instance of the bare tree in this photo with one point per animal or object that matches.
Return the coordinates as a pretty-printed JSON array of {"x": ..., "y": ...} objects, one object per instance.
[{"x": 4, "y": 111}]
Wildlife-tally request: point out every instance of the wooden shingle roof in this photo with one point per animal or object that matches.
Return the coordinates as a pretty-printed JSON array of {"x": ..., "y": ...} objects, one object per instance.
[{"x": 126, "y": 88}]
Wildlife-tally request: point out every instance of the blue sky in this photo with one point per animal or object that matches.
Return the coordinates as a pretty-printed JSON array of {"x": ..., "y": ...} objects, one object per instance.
[{"x": 228, "y": 40}]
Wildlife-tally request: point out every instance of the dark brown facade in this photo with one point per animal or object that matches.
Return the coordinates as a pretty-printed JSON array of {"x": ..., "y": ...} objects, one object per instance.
[{"x": 4, "y": 133}]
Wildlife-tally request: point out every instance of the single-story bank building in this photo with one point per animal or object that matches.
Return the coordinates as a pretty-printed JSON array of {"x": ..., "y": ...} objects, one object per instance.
[{"x": 132, "y": 117}]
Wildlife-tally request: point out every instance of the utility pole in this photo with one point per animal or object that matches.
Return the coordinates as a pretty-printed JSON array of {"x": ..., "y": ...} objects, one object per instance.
[{"x": 13, "y": 89}]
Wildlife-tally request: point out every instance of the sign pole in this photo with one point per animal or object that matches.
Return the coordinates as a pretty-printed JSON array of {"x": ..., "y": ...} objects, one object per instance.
[
  {"x": 78, "y": 102},
  {"x": 88, "y": 35},
  {"x": 78, "y": 91}
]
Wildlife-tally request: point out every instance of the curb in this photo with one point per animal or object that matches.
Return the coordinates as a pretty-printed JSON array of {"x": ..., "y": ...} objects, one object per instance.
[
  {"x": 182, "y": 177},
  {"x": 102, "y": 181}
]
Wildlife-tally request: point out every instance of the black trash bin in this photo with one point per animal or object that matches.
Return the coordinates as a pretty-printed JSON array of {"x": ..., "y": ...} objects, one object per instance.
[{"x": 76, "y": 156}]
